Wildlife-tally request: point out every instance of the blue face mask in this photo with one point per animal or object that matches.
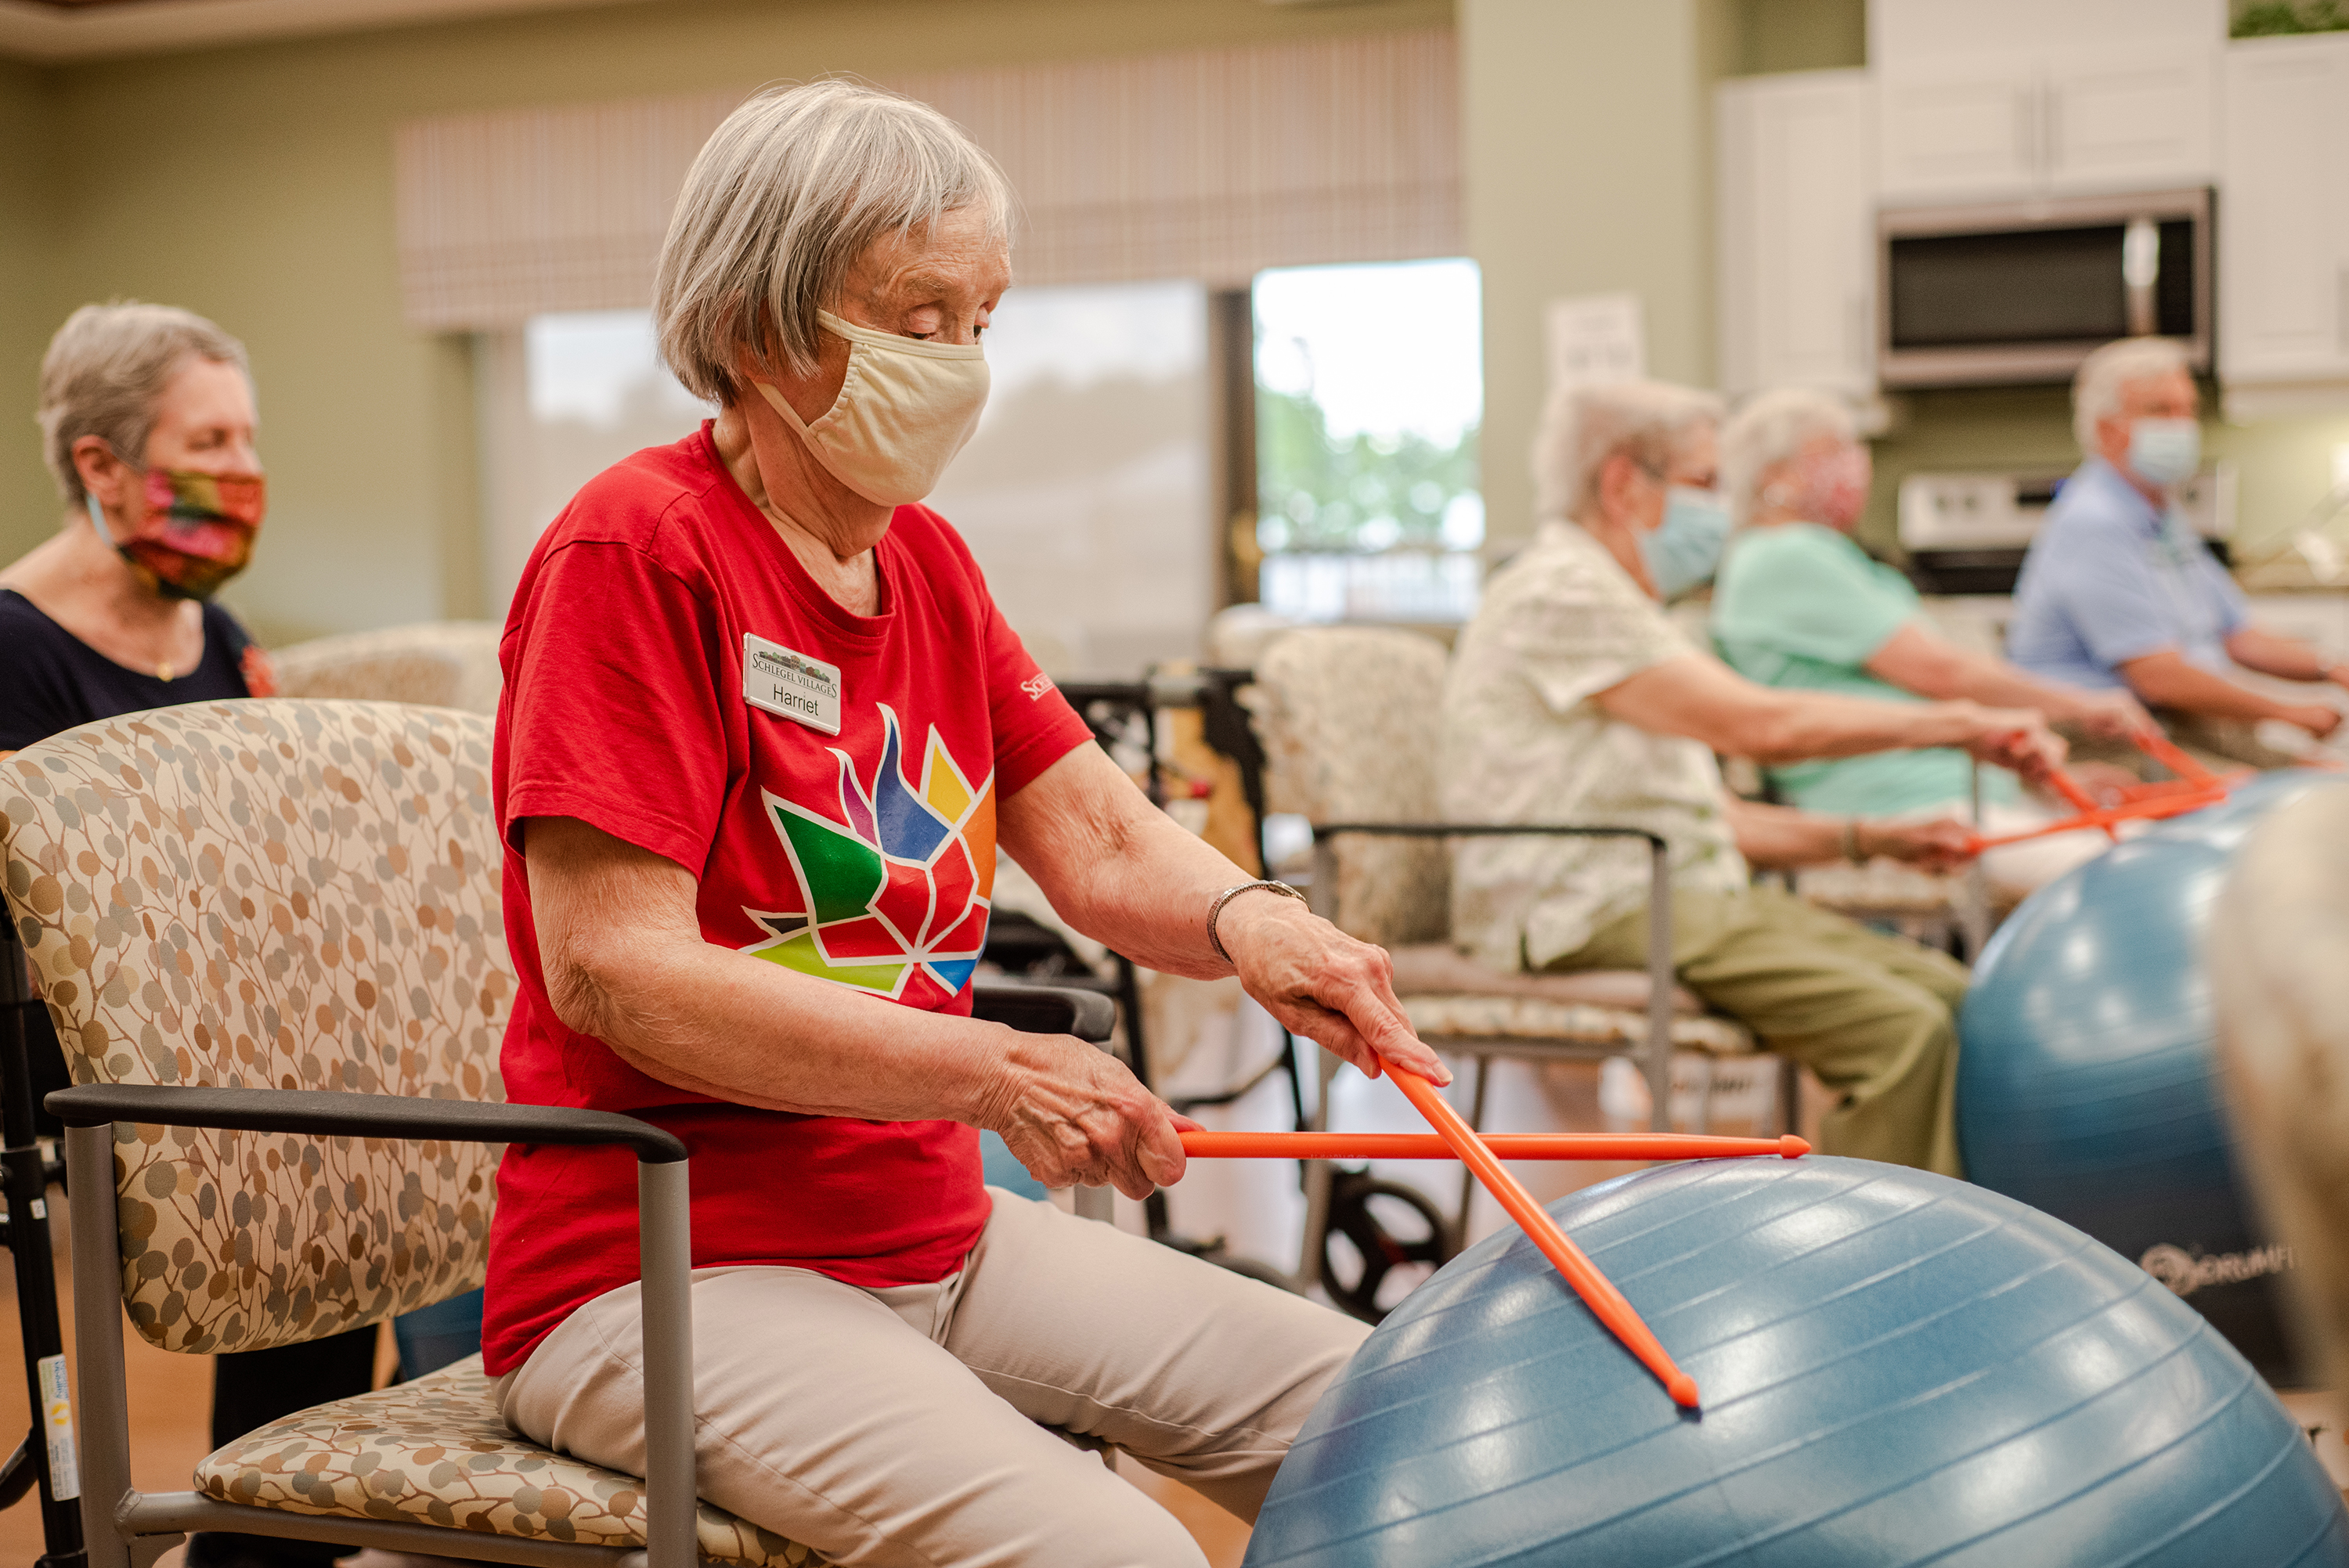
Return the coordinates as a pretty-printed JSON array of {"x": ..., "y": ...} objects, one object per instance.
[
  {"x": 2164, "y": 451},
  {"x": 1683, "y": 548}
]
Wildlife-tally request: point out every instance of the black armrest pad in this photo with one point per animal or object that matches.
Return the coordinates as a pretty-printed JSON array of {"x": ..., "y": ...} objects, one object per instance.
[
  {"x": 1044, "y": 1009},
  {"x": 333, "y": 1114},
  {"x": 1483, "y": 830}
]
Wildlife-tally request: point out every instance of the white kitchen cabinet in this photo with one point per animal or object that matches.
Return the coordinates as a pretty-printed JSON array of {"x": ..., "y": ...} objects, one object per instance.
[
  {"x": 1797, "y": 175},
  {"x": 2050, "y": 121},
  {"x": 1999, "y": 100},
  {"x": 2283, "y": 212}
]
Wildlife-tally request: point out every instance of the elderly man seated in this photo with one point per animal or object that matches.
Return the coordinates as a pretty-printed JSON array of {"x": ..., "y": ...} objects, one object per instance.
[
  {"x": 762, "y": 732},
  {"x": 1800, "y": 606},
  {"x": 2118, "y": 593},
  {"x": 1574, "y": 699}
]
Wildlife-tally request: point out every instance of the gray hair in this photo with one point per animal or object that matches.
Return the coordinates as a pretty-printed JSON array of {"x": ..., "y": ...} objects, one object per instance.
[
  {"x": 1582, "y": 427},
  {"x": 1771, "y": 428},
  {"x": 104, "y": 372},
  {"x": 783, "y": 198},
  {"x": 2105, "y": 376}
]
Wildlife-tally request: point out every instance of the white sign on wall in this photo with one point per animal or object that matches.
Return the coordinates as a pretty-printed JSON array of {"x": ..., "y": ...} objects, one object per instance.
[{"x": 1595, "y": 339}]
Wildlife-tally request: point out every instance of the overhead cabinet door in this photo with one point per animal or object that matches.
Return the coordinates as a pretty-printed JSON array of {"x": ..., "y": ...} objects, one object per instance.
[
  {"x": 2283, "y": 212},
  {"x": 1797, "y": 169}
]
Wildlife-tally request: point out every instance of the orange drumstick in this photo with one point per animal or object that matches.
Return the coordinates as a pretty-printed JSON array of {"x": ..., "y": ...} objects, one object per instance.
[
  {"x": 1509, "y": 1146},
  {"x": 1596, "y": 1290}
]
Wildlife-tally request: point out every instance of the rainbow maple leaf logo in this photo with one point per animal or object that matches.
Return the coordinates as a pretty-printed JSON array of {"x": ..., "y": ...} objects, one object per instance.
[{"x": 893, "y": 894}]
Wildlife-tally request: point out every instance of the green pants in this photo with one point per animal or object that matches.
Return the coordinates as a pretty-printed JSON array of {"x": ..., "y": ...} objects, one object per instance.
[{"x": 1874, "y": 1017}]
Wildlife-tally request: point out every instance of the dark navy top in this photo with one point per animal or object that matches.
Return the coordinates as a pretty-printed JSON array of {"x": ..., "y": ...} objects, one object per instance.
[{"x": 51, "y": 680}]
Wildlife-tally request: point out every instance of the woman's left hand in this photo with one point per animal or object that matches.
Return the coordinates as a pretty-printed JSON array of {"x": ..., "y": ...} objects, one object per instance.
[
  {"x": 1322, "y": 983},
  {"x": 1937, "y": 846}
]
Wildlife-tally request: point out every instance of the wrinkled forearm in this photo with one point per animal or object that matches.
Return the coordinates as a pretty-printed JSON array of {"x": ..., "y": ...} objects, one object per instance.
[
  {"x": 1779, "y": 837},
  {"x": 1798, "y": 727},
  {"x": 2166, "y": 680},
  {"x": 1117, "y": 867}
]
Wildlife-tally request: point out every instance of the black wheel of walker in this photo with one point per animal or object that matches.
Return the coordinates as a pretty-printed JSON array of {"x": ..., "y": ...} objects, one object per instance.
[{"x": 1379, "y": 1235}]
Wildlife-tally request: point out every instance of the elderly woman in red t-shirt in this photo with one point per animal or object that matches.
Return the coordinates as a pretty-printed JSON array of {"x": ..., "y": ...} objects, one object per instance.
[{"x": 763, "y": 730}]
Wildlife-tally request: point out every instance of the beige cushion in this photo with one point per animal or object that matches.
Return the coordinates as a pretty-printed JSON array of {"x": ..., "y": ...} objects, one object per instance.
[
  {"x": 1435, "y": 966},
  {"x": 436, "y": 1451},
  {"x": 442, "y": 664},
  {"x": 1440, "y": 1020}
]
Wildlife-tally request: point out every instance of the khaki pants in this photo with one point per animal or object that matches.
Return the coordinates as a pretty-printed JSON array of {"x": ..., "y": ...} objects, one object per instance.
[
  {"x": 1874, "y": 1017},
  {"x": 900, "y": 1425}
]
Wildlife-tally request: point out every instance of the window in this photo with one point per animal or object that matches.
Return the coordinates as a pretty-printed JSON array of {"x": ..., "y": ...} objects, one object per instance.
[
  {"x": 1369, "y": 390},
  {"x": 1084, "y": 495}
]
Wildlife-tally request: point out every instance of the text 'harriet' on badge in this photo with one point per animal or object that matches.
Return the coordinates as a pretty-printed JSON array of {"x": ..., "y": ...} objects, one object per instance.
[{"x": 791, "y": 686}]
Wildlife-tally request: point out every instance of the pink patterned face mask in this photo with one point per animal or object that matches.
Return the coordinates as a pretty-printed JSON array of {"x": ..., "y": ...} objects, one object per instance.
[
  {"x": 1831, "y": 491},
  {"x": 196, "y": 530}
]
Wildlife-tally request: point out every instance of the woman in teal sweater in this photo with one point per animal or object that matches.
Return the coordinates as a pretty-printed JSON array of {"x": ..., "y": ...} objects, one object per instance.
[{"x": 1798, "y": 605}]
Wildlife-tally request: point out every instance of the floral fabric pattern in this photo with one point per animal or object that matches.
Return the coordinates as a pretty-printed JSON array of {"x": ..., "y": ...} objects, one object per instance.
[
  {"x": 274, "y": 895},
  {"x": 1348, "y": 718},
  {"x": 436, "y": 1451}
]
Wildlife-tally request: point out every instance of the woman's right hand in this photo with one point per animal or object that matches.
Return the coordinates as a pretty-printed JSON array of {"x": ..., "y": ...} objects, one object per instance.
[
  {"x": 1074, "y": 1116},
  {"x": 2015, "y": 737}
]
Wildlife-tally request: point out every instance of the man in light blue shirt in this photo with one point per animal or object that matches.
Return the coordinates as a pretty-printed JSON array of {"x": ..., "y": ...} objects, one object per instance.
[{"x": 2117, "y": 589}]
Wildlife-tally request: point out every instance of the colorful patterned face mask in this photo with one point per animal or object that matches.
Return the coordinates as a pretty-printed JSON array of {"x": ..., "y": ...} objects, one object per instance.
[{"x": 196, "y": 531}]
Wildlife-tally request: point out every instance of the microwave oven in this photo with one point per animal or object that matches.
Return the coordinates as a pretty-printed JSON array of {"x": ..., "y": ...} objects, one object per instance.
[{"x": 2021, "y": 291}]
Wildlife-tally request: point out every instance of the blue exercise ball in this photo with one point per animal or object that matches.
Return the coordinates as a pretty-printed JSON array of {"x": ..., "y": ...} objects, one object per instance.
[
  {"x": 1002, "y": 1168},
  {"x": 1896, "y": 1368},
  {"x": 2088, "y": 1081}
]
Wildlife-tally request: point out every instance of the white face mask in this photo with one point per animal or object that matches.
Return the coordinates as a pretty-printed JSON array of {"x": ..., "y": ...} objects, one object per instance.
[{"x": 904, "y": 411}]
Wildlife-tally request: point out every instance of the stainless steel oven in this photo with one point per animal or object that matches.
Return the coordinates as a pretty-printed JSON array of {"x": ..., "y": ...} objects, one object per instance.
[{"x": 2021, "y": 291}]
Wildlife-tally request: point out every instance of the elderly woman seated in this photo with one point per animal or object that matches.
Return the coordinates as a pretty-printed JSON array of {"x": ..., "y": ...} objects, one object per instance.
[
  {"x": 762, "y": 733},
  {"x": 1573, "y": 699},
  {"x": 1799, "y": 606}
]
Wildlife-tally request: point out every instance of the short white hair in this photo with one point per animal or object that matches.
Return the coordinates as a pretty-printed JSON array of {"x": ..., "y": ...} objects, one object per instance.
[
  {"x": 783, "y": 198},
  {"x": 1582, "y": 427},
  {"x": 106, "y": 370},
  {"x": 1771, "y": 428},
  {"x": 2105, "y": 376}
]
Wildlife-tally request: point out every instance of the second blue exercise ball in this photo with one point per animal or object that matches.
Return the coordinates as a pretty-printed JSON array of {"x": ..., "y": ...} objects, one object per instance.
[
  {"x": 1897, "y": 1370},
  {"x": 2088, "y": 1082}
]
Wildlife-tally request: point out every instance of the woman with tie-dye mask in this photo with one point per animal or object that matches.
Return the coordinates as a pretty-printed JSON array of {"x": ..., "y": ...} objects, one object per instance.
[{"x": 147, "y": 418}]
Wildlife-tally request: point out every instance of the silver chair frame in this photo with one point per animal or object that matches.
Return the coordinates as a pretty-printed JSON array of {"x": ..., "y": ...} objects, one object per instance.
[{"x": 1656, "y": 1057}]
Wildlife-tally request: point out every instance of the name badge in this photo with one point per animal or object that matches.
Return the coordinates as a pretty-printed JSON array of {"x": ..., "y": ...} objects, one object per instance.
[{"x": 791, "y": 686}]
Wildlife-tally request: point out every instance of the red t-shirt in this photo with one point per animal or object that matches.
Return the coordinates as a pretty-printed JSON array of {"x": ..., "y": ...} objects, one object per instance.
[{"x": 651, "y": 606}]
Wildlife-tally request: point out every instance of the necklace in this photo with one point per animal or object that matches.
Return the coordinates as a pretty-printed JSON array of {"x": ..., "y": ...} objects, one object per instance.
[{"x": 163, "y": 673}]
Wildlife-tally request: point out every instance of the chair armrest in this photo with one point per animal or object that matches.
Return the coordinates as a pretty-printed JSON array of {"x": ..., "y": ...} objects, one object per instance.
[
  {"x": 1484, "y": 830},
  {"x": 1044, "y": 1009},
  {"x": 335, "y": 1113}
]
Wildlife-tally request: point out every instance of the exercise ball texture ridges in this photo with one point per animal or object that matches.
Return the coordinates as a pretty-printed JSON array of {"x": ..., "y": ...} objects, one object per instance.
[
  {"x": 1896, "y": 1368},
  {"x": 2087, "y": 1073}
]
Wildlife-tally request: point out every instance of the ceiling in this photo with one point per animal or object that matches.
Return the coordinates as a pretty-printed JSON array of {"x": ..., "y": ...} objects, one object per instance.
[{"x": 56, "y": 30}]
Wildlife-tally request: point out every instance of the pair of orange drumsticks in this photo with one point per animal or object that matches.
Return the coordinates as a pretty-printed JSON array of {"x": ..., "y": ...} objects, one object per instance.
[{"x": 1455, "y": 1139}]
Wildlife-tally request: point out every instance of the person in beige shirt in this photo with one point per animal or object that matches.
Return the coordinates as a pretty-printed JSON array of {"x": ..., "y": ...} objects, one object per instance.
[{"x": 1573, "y": 699}]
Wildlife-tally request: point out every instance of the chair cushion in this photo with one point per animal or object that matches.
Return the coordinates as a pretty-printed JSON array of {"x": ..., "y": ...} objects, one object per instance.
[
  {"x": 1437, "y": 1017},
  {"x": 436, "y": 1451},
  {"x": 1437, "y": 967}
]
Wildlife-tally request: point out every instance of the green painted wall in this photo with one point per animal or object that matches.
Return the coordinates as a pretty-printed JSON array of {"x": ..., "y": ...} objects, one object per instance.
[
  {"x": 1589, "y": 151},
  {"x": 253, "y": 184},
  {"x": 27, "y": 225},
  {"x": 1586, "y": 138}
]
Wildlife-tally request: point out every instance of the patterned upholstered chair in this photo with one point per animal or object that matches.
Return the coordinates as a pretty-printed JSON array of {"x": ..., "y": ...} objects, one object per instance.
[
  {"x": 439, "y": 664},
  {"x": 1350, "y": 721},
  {"x": 270, "y": 935}
]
